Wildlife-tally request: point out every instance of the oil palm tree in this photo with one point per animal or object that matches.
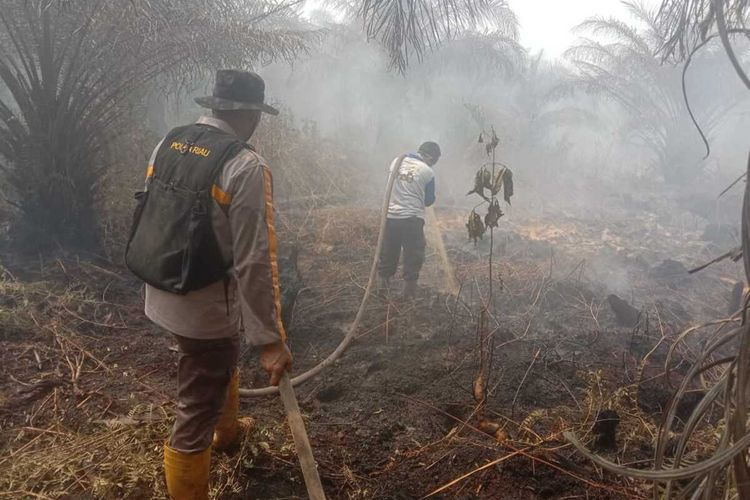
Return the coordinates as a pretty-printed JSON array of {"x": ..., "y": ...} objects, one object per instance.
[
  {"x": 620, "y": 61},
  {"x": 70, "y": 71}
]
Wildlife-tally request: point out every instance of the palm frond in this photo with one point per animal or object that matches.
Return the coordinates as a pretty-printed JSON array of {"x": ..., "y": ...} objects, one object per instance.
[
  {"x": 481, "y": 54},
  {"x": 622, "y": 61},
  {"x": 687, "y": 23},
  {"x": 617, "y": 30},
  {"x": 72, "y": 69},
  {"x": 410, "y": 28}
]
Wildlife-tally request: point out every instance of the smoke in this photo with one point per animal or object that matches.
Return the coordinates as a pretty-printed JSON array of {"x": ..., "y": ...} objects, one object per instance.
[{"x": 606, "y": 150}]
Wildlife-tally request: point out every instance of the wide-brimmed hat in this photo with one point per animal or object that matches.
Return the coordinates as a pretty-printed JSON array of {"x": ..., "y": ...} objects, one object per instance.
[{"x": 235, "y": 90}]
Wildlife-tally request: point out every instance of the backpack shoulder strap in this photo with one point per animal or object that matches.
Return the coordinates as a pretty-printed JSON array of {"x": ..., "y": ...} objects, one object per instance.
[{"x": 235, "y": 148}]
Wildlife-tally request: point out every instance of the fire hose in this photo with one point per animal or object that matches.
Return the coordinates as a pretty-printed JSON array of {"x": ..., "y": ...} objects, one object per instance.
[{"x": 312, "y": 372}]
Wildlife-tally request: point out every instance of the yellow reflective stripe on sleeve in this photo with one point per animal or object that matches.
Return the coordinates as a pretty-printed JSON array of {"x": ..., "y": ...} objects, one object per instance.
[
  {"x": 221, "y": 197},
  {"x": 150, "y": 172},
  {"x": 273, "y": 248}
]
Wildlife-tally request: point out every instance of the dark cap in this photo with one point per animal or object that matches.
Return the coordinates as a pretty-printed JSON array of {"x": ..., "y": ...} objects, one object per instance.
[
  {"x": 235, "y": 90},
  {"x": 431, "y": 149}
]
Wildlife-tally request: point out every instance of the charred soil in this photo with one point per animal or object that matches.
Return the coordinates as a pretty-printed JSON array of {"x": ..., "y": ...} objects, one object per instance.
[{"x": 87, "y": 381}]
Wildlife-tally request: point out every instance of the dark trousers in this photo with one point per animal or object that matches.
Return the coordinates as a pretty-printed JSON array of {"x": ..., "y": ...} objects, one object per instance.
[
  {"x": 409, "y": 235},
  {"x": 203, "y": 372}
]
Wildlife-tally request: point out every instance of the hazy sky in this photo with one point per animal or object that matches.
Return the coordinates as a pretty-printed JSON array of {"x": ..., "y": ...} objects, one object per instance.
[{"x": 547, "y": 24}]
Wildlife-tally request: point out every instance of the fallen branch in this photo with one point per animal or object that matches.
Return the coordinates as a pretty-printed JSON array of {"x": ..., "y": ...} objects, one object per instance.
[
  {"x": 469, "y": 474},
  {"x": 735, "y": 254}
]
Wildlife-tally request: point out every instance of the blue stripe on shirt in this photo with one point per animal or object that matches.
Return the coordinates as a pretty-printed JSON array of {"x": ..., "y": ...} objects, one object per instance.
[{"x": 429, "y": 193}]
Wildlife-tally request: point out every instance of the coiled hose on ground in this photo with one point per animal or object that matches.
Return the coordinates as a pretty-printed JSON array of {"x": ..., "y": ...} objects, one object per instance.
[{"x": 266, "y": 391}]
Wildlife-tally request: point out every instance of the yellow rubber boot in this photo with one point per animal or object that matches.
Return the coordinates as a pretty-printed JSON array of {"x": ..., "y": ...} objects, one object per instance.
[
  {"x": 187, "y": 474},
  {"x": 230, "y": 429}
]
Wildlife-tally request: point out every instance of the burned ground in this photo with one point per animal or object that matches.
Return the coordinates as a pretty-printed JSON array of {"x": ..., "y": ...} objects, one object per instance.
[{"x": 87, "y": 381}]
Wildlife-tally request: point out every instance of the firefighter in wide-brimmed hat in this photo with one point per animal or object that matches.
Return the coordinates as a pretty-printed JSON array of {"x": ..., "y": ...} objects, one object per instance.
[{"x": 203, "y": 240}]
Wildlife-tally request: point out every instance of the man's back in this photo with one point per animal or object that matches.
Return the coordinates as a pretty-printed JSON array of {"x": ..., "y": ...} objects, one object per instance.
[
  {"x": 239, "y": 216},
  {"x": 413, "y": 189},
  {"x": 230, "y": 214}
]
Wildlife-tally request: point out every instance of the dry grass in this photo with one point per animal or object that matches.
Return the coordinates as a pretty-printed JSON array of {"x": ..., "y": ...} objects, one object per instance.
[
  {"x": 73, "y": 420},
  {"x": 122, "y": 458},
  {"x": 110, "y": 460}
]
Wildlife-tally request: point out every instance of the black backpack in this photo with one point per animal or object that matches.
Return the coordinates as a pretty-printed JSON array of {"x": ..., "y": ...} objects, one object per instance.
[{"x": 172, "y": 245}]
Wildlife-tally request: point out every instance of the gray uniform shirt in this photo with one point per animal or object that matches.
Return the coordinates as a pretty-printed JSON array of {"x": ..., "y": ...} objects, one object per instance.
[{"x": 242, "y": 216}]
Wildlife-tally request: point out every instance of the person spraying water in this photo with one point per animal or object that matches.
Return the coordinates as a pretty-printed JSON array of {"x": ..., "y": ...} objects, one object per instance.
[{"x": 413, "y": 191}]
